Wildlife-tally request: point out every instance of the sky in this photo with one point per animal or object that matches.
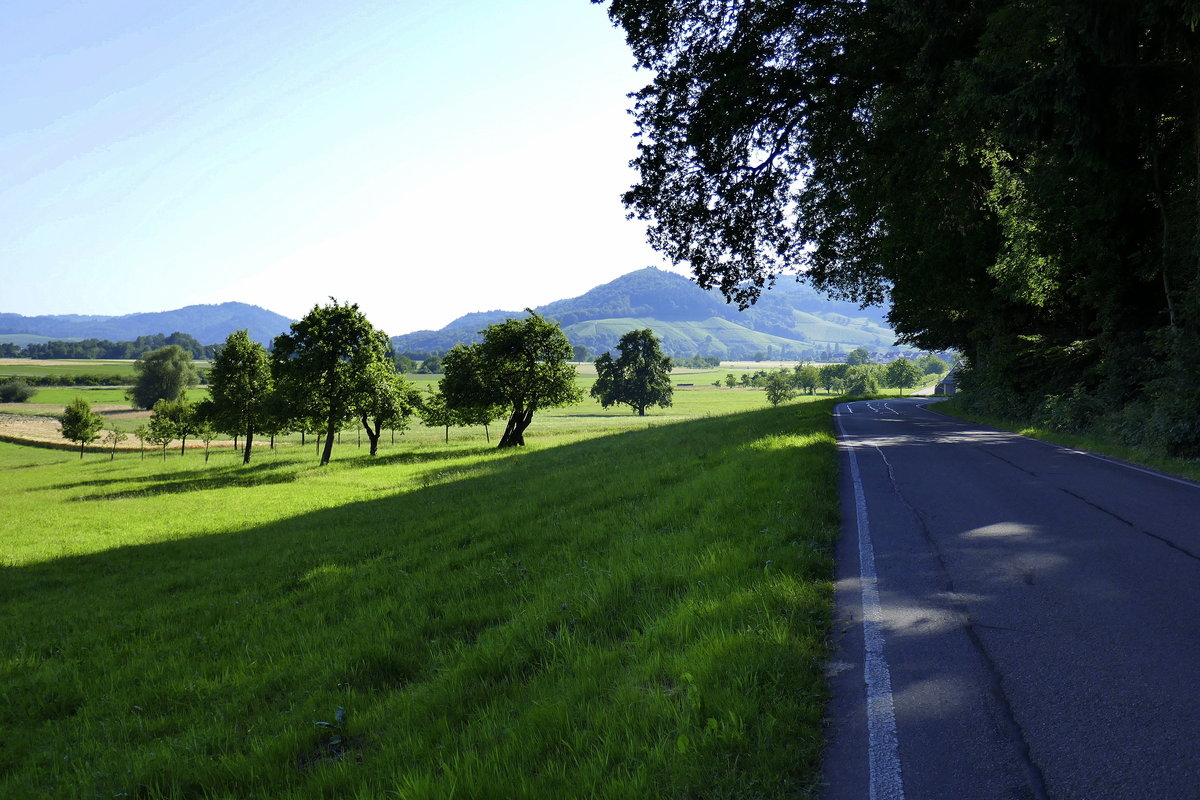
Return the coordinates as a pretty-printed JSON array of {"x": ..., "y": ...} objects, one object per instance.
[{"x": 422, "y": 159}]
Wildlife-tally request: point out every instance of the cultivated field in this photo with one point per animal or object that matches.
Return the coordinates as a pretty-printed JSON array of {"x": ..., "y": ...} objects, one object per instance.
[{"x": 629, "y": 607}]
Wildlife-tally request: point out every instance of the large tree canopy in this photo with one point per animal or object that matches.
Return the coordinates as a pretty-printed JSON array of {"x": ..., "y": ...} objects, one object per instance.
[
  {"x": 638, "y": 377},
  {"x": 163, "y": 374},
  {"x": 328, "y": 366},
  {"x": 520, "y": 364},
  {"x": 1019, "y": 180}
]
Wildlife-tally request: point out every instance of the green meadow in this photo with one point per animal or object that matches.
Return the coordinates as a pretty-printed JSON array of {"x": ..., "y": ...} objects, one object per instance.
[{"x": 627, "y": 608}]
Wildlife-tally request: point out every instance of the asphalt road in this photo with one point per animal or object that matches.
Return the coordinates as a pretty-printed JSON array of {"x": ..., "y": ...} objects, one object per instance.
[{"x": 1014, "y": 619}]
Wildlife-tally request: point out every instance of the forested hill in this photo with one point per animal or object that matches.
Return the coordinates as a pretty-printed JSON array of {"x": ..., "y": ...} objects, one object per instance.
[
  {"x": 789, "y": 321},
  {"x": 209, "y": 324}
]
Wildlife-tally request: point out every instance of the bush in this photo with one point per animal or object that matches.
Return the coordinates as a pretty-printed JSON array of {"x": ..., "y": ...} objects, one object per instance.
[{"x": 15, "y": 390}]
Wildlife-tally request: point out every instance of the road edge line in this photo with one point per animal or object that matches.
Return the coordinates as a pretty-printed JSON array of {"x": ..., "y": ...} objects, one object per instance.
[{"x": 883, "y": 746}]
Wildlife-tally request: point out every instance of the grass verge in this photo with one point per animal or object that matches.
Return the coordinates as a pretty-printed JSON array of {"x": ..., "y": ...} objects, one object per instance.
[
  {"x": 636, "y": 615},
  {"x": 1092, "y": 442}
]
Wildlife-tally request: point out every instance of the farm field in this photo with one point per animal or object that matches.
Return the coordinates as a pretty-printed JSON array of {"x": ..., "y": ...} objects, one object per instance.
[{"x": 636, "y": 614}]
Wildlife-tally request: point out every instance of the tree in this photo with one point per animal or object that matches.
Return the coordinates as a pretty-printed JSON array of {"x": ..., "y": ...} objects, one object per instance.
[
  {"x": 15, "y": 390},
  {"x": 931, "y": 364},
  {"x": 240, "y": 384},
  {"x": 389, "y": 401},
  {"x": 862, "y": 380},
  {"x": 902, "y": 374},
  {"x": 142, "y": 432},
  {"x": 730, "y": 380},
  {"x": 113, "y": 438},
  {"x": 639, "y": 377},
  {"x": 807, "y": 378},
  {"x": 326, "y": 365},
  {"x": 520, "y": 364},
  {"x": 833, "y": 377},
  {"x": 580, "y": 353},
  {"x": 858, "y": 356},
  {"x": 779, "y": 387},
  {"x": 178, "y": 418},
  {"x": 435, "y": 413},
  {"x": 80, "y": 424},
  {"x": 162, "y": 374}
]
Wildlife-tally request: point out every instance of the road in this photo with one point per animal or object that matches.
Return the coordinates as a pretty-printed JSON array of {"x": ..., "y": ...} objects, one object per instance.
[{"x": 1014, "y": 619}]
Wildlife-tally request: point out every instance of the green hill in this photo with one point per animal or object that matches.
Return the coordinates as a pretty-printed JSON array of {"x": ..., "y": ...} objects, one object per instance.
[{"x": 790, "y": 321}]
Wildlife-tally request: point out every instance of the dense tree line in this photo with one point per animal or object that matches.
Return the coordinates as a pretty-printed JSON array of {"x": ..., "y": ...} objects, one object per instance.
[
  {"x": 102, "y": 348},
  {"x": 1021, "y": 181}
]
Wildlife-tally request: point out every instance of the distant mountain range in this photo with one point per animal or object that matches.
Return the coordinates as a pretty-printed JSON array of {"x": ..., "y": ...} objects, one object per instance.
[
  {"x": 210, "y": 324},
  {"x": 790, "y": 321}
]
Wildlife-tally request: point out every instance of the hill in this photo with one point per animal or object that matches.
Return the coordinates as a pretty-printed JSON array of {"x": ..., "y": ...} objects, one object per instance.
[
  {"x": 210, "y": 324},
  {"x": 789, "y": 321}
]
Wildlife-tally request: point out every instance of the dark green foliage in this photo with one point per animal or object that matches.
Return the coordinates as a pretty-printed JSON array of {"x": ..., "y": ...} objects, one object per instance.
[
  {"x": 163, "y": 374},
  {"x": 858, "y": 356},
  {"x": 15, "y": 390},
  {"x": 80, "y": 424},
  {"x": 520, "y": 364},
  {"x": 175, "y": 419},
  {"x": 639, "y": 377},
  {"x": 779, "y": 386},
  {"x": 240, "y": 386},
  {"x": 327, "y": 367},
  {"x": 1021, "y": 180},
  {"x": 902, "y": 374},
  {"x": 862, "y": 379}
]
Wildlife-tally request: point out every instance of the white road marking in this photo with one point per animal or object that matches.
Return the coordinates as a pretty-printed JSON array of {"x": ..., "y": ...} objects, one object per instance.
[
  {"x": 883, "y": 747},
  {"x": 1063, "y": 448}
]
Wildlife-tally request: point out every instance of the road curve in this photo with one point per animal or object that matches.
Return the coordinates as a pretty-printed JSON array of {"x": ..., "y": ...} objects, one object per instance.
[{"x": 1014, "y": 619}]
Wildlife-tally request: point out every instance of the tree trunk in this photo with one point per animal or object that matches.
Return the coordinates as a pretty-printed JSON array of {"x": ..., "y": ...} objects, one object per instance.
[
  {"x": 81, "y": 449},
  {"x": 330, "y": 430},
  {"x": 249, "y": 442},
  {"x": 514, "y": 432},
  {"x": 641, "y": 411},
  {"x": 372, "y": 434},
  {"x": 182, "y": 444}
]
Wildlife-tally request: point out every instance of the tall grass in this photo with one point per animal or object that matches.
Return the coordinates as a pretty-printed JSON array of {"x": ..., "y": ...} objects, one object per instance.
[{"x": 641, "y": 614}]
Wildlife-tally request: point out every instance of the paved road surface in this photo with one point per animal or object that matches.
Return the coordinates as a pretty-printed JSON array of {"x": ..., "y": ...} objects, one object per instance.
[{"x": 1032, "y": 618}]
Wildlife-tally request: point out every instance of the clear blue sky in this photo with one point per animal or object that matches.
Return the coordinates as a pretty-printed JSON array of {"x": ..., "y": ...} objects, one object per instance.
[{"x": 423, "y": 159}]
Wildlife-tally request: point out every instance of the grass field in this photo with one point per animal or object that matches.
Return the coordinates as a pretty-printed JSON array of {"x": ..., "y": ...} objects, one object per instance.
[{"x": 628, "y": 608}]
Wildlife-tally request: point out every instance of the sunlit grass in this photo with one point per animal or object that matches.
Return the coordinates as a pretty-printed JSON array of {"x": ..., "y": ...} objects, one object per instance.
[{"x": 641, "y": 614}]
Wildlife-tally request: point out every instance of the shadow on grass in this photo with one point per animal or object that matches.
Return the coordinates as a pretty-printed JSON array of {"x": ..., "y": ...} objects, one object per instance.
[
  {"x": 482, "y": 581},
  {"x": 191, "y": 480}
]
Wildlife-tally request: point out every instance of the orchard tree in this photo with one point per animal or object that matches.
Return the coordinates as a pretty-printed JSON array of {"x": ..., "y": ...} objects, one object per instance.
[
  {"x": 240, "y": 384},
  {"x": 862, "y": 380},
  {"x": 807, "y": 378},
  {"x": 326, "y": 365},
  {"x": 858, "y": 356},
  {"x": 162, "y": 374},
  {"x": 902, "y": 374},
  {"x": 435, "y": 413},
  {"x": 521, "y": 364},
  {"x": 80, "y": 424},
  {"x": 389, "y": 401},
  {"x": 639, "y": 377},
  {"x": 112, "y": 439},
  {"x": 779, "y": 387},
  {"x": 178, "y": 418}
]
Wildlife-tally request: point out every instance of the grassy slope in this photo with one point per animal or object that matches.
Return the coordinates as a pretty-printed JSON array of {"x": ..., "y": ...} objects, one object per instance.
[{"x": 642, "y": 614}]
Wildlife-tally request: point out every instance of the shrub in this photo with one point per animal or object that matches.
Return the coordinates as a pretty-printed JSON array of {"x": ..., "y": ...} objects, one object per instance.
[{"x": 15, "y": 390}]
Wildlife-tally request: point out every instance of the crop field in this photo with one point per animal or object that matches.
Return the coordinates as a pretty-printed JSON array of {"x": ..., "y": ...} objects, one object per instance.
[
  {"x": 54, "y": 366},
  {"x": 627, "y": 608}
]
